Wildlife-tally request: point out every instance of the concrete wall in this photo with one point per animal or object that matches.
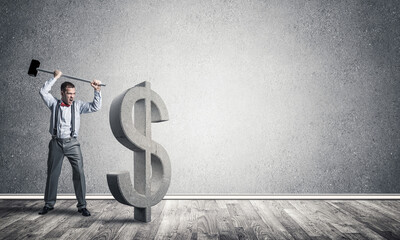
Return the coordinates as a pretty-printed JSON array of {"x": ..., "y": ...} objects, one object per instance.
[{"x": 263, "y": 96}]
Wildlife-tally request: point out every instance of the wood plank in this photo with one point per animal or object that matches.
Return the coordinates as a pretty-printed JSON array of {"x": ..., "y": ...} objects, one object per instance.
[
  {"x": 14, "y": 206},
  {"x": 70, "y": 234},
  {"x": 226, "y": 230},
  {"x": 349, "y": 218},
  {"x": 207, "y": 227},
  {"x": 254, "y": 221},
  {"x": 352, "y": 221},
  {"x": 379, "y": 220},
  {"x": 354, "y": 236},
  {"x": 239, "y": 219},
  {"x": 169, "y": 225},
  {"x": 193, "y": 218},
  {"x": 11, "y": 231},
  {"x": 76, "y": 220},
  {"x": 148, "y": 230},
  {"x": 27, "y": 228},
  {"x": 67, "y": 212},
  {"x": 328, "y": 215},
  {"x": 308, "y": 208},
  {"x": 392, "y": 204},
  {"x": 41, "y": 224},
  {"x": 290, "y": 225},
  {"x": 108, "y": 224},
  {"x": 93, "y": 223},
  {"x": 381, "y": 208},
  {"x": 129, "y": 227},
  {"x": 98, "y": 208},
  {"x": 11, "y": 213},
  {"x": 374, "y": 220},
  {"x": 205, "y": 219},
  {"x": 302, "y": 220},
  {"x": 273, "y": 226},
  {"x": 187, "y": 221}
]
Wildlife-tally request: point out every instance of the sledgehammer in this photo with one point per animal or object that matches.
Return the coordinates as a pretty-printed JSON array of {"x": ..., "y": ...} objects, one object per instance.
[{"x": 34, "y": 69}]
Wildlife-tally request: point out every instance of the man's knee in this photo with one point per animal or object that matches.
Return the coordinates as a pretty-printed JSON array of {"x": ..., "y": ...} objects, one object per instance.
[{"x": 78, "y": 174}]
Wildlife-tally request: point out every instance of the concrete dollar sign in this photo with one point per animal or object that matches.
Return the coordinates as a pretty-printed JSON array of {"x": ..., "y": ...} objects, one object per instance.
[{"x": 152, "y": 168}]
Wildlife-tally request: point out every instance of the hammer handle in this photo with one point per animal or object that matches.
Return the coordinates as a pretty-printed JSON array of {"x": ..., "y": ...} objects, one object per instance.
[{"x": 79, "y": 79}]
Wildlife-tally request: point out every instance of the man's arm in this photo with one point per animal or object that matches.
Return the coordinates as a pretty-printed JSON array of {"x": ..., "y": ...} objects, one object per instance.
[
  {"x": 48, "y": 99},
  {"x": 88, "y": 107}
]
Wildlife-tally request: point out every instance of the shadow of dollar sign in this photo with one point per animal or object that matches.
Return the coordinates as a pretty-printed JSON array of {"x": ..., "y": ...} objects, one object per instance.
[{"x": 152, "y": 168}]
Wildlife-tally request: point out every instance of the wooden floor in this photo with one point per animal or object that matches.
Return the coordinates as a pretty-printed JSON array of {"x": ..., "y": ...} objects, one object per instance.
[{"x": 205, "y": 219}]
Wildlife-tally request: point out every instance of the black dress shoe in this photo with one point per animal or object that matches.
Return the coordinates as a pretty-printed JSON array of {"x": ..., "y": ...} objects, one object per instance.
[
  {"x": 84, "y": 212},
  {"x": 45, "y": 210}
]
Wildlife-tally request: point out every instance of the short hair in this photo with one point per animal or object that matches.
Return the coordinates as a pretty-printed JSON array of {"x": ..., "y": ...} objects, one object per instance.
[{"x": 66, "y": 85}]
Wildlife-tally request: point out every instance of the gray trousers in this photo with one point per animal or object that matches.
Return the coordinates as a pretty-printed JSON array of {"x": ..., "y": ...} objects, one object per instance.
[{"x": 58, "y": 148}]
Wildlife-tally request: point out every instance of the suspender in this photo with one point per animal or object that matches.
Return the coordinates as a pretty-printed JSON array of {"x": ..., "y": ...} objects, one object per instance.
[
  {"x": 73, "y": 119},
  {"x": 57, "y": 119}
]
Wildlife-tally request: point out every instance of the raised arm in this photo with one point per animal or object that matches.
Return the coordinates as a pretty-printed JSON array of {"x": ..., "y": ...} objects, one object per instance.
[
  {"x": 44, "y": 92},
  {"x": 88, "y": 107}
]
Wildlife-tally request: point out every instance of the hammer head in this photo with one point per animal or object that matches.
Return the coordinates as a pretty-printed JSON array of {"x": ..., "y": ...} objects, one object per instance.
[{"x": 33, "y": 68}]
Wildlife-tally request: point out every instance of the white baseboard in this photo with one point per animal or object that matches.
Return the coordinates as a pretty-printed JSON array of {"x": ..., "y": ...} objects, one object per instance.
[{"x": 224, "y": 197}]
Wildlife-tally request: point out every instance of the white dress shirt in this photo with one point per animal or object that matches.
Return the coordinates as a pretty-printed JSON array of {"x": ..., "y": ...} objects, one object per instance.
[{"x": 64, "y": 123}]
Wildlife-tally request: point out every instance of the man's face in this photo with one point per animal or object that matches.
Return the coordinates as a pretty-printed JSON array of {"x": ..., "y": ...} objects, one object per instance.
[{"x": 68, "y": 96}]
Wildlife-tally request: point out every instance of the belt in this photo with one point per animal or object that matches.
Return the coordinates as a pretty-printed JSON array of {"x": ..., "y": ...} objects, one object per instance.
[{"x": 63, "y": 139}]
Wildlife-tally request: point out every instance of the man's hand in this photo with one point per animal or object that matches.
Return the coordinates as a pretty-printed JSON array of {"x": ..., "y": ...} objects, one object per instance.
[
  {"x": 57, "y": 74},
  {"x": 96, "y": 85}
]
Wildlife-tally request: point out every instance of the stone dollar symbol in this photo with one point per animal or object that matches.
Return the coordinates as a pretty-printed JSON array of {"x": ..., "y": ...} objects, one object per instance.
[{"x": 152, "y": 168}]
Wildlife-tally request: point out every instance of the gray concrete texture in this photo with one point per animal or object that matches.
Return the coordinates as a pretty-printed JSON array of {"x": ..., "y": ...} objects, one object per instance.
[{"x": 264, "y": 97}]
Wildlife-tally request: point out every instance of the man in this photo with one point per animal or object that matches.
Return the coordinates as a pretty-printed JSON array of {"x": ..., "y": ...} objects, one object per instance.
[{"x": 64, "y": 128}]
